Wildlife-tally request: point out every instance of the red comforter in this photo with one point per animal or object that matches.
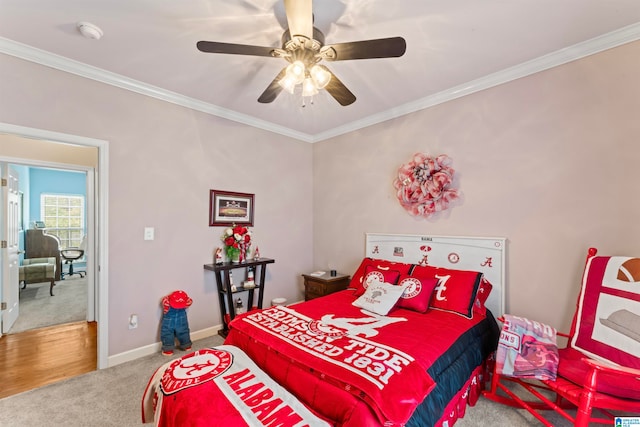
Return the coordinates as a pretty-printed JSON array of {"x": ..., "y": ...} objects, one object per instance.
[
  {"x": 220, "y": 386},
  {"x": 354, "y": 356}
]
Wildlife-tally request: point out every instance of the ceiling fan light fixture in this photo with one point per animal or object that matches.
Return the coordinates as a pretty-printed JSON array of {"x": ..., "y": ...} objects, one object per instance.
[
  {"x": 303, "y": 47},
  {"x": 320, "y": 76},
  {"x": 288, "y": 83},
  {"x": 296, "y": 70},
  {"x": 309, "y": 87}
]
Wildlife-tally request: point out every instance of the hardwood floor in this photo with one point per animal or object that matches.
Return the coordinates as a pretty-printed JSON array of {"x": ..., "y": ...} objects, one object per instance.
[{"x": 43, "y": 356}]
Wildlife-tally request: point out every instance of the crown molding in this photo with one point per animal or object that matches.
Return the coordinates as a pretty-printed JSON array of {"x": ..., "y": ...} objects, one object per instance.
[
  {"x": 580, "y": 50},
  {"x": 62, "y": 63}
]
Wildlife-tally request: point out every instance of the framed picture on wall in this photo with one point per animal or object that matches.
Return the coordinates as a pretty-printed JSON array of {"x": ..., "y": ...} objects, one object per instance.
[{"x": 227, "y": 208}]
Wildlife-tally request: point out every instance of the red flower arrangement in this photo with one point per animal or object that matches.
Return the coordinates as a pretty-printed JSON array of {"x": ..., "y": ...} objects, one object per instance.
[
  {"x": 237, "y": 241},
  {"x": 424, "y": 185}
]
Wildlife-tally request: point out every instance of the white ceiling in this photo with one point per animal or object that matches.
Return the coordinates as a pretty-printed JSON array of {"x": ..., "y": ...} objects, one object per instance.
[{"x": 453, "y": 48}]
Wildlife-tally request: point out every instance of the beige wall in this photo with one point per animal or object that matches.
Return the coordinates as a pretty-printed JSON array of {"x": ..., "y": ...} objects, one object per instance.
[
  {"x": 163, "y": 161},
  {"x": 549, "y": 161}
]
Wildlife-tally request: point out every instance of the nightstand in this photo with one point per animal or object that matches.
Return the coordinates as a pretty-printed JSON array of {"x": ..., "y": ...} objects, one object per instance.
[{"x": 318, "y": 286}]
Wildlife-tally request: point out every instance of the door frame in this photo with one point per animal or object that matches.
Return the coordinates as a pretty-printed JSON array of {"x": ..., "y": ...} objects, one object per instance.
[{"x": 100, "y": 226}]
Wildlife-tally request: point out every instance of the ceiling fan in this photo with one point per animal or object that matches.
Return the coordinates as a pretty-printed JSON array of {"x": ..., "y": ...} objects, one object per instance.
[{"x": 303, "y": 47}]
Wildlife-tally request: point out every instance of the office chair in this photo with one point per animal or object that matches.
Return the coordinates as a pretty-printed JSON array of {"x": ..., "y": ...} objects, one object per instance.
[{"x": 70, "y": 255}]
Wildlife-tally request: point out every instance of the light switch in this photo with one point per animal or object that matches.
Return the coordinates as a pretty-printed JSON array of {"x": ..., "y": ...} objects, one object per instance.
[
  {"x": 133, "y": 321},
  {"x": 149, "y": 233}
]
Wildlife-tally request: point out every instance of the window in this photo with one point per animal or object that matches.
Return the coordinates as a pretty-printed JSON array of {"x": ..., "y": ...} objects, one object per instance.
[{"x": 63, "y": 216}]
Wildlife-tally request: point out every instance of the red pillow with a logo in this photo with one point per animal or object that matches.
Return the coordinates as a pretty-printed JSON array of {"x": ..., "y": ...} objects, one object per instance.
[
  {"x": 376, "y": 270},
  {"x": 456, "y": 290},
  {"x": 417, "y": 293},
  {"x": 374, "y": 275},
  {"x": 481, "y": 297}
]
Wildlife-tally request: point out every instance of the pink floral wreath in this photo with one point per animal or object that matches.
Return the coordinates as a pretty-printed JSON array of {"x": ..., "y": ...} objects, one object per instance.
[{"x": 424, "y": 185}]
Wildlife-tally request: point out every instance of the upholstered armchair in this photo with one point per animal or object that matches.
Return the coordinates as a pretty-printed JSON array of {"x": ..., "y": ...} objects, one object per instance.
[
  {"x": 37, "y": 270},
  {"x": 39, "y": 244}
]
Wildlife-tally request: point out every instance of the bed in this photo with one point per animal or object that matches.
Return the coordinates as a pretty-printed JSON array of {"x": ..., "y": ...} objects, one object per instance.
[
  {"x": 355, "y": 367},
  {"x": 405, "y": 345}
]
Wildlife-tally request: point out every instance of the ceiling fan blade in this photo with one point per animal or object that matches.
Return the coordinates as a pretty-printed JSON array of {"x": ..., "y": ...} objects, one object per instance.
[
  {"x": 234, "y": 49},
  {"x": 273, "y": 90},
  {"x": 391, "y": 47},
  {"x": 338, "y": 90},
  {"x": 299, "y": 17}
]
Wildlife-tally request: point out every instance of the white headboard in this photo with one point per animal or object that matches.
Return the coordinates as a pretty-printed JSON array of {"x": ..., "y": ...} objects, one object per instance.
[{"x": 483, "y": 254}]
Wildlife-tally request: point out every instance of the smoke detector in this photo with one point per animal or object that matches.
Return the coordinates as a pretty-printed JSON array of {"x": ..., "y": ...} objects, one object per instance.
[{"x": 89, "y": 30}]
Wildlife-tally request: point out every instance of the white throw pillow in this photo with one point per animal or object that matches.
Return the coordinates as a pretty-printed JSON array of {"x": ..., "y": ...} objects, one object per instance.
[{"x": 380, "y": 297}]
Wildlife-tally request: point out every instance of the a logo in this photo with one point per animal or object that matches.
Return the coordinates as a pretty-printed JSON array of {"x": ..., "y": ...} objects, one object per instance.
[
  {"x": 195, "y": 369},
  {"x": 442, "y": 286},
  {"x": 318, "y": 328},
  {"x": 487, "y": 262},
  {"x": 424, "y": 250},
  {"x": 339, "y": 326},
  {"x": 372, "y": 278},
  {"x": 627, "y": 421},
  {"x": 414, "y": 286}
]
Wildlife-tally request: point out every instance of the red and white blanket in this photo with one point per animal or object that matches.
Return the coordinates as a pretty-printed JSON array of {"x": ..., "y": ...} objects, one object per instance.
[
  {"x": 220, "y": 386},
  {"x": 527, "y": 349},
  {"x": 356, "y": 350}
]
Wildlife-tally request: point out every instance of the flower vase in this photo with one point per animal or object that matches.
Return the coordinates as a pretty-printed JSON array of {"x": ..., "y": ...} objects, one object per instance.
[
  {"x": 235, "y": 257},
  {"x": 241, "y": 254},
  {"x": 244, "y": 249}
]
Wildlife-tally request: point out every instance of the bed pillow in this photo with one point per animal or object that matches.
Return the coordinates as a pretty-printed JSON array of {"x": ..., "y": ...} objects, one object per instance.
[
  {"x": 606, "y": 324},
  {"x": 358, "y": 276},
  {"x": 379, "y": 298},
  {"x": 373, "y": 275},
  {"x": 456, "y": 290},
  {"x": 481, "y": 297},
  {"x": 424, "y": 271},
  {"x": 376, "y": 270},
  {"x": 417, "y": 293}
]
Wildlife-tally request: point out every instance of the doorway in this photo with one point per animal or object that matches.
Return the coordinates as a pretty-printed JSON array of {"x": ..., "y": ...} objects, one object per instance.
[
  {"x": 96, "y": 211},
  {"x": 52, "y": 221}
]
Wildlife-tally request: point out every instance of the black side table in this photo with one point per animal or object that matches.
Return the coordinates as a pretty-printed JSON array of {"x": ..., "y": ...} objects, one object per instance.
[{"x": 222, "y": 281}]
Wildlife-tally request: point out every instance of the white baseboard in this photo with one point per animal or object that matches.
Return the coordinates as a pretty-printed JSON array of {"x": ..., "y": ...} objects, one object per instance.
[{"x": 154, "y": 348}]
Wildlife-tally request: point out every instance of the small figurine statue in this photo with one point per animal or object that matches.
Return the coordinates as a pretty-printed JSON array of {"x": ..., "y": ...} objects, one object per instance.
[
  {"x": 250, "y": 282},
  {"x": 232, "y": 287},
  {"x": 256, "y": 253},
  {"x": 175, "y": 323},
  {"x": 218, "y": 256},
  {"x": 239, "y": 307}
]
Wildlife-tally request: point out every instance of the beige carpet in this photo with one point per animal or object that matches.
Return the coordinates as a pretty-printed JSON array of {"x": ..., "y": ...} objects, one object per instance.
[{"x": 39, "y": 309}]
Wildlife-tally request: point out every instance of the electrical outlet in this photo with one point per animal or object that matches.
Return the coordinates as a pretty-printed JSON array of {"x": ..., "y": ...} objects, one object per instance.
[{"x": 133, "y": 321}]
